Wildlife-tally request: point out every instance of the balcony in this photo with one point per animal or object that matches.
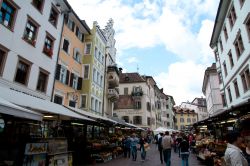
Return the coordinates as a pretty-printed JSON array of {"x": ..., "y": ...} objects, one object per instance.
[
  {"x": 113, "y": 76},
  {"x": 113, "y": 94},
  {"x": 138, "y": 93}
]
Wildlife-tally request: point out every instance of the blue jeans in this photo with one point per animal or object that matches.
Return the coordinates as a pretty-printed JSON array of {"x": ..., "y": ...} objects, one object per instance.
[
  {"x": 143, "y": 153},
  {"x": 134, "y": 152},
  {"x": 184, "y": 159},
  {"x": 167, "y": 156}
]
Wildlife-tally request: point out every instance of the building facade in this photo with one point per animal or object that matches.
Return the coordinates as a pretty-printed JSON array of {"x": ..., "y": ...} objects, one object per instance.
[
  {"x": 170, "y": 112},
  {"x": 68, "y": 78},
  {"x": 93, "y": 70},
  {"x": 211, "y": 89},
  {"x": 30, "y": 38},
  {"x": 185, "y": 118},
  {"x": 230, "y": 42}
]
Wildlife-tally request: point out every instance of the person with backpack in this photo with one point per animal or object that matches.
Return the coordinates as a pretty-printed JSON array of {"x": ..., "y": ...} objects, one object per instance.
[
  {"x": 184, "y": 151},
  {"x": 160, "y": 146}
]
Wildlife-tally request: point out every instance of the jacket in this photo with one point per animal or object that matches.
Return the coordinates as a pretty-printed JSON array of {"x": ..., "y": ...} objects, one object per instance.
[{"x": 234, "y": 156}]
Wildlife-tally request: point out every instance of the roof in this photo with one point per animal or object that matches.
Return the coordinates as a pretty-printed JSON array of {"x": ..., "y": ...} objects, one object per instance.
[
  {"x": 131, "y": 78},
  {"x": 219, "y": 21},
  {"x": 209, "y": 70},
  {"x": 179, "y": 110},
  {"x": 37, "y": 104}
]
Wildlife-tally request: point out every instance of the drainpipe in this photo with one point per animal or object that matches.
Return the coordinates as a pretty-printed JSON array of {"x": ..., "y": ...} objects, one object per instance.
[{"x": 104, "y": 86}]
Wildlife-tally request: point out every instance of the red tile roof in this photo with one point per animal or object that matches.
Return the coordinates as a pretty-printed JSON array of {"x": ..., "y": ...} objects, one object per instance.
[{"x": 131, "y": 78}]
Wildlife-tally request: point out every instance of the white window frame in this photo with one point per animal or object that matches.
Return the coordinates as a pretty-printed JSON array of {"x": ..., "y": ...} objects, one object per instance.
[
  {"x": 75, "y": 81},
  {"x": 85, "y": 100},
  {"x": 85, "y": 48},
  {"x": 84, "y": 71},
  {"x": 64, "y": 73},
  {"x": 77, "y": 59}
]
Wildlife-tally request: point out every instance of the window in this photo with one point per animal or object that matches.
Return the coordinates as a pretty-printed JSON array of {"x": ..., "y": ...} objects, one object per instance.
[
  {"x": 245, "y": 78},
  {"x": 86, "y": 72},
  {"x": 101, "y": 80},
  {"x": 48, "y": 45},
  {"x": 232, "y": 17},
  {"x": 96, "y": 52},
  {"x": 167, "y": 106},
  {"x": 148, "y": 121},
  {"x": 225, "y": 32},
  {"x": 79, "y": 35},
  {"x": 30, "y": 33},
  {"x": 194, "y": 120},
  {"x": 72, "y": 103},
  {"x": 53, "y": 17},
  {"x": 94, "y": 75},
  {"x": 42, "y": 81},
  {"x": 38, "y": 4},
  {"x": 64, "y": 75},
  {"x": 84, "y": 101},
  {"x": 167, "y": 115},
  {"x": 148, "y": 106},
  {"x": 73, "y": 80},
  {"x": 220, "y": 77},
  {"x": 229, "y": 94},
  {"x": 137, "y": 104},
  {"x": 224, "y": 101},
  {"x": 137, "y": 120},
  {"x": 182, "y": 120},
  {"x": 231, "y": 59},
  {"x": 236, "y": 88},
  {"x": 58, "y": 99},
  {"x": 188, "y": 120},
  {"x": 238, "y": 44},
  {"x": 8, "y": 13},
  {"x": 221, "y": 46},
  {"x": 100, "y": 107},
  {"x": 225, "y": 68},
  {"x": 125, "y": 91},
  {"x": 126, "y": 119},
  {"x": 96, "y": 106},
  {"x": 216, "y": 55},
  {"x": 3, "y": 53},
  {"x": 168, "y": 124},
  {"x": 247, "y": 22},
  {"x": 77, "y": 56},
  {"x": 242, "y": 2},
  {"x": 71, "y": 25},
  {"x": 92, "y": 104},
  {"x": 87, "y": 48},
  {"x": 22, "y": 73},
  {"x": 66, "y": 45},
  {"x": 98, "y": 78}
]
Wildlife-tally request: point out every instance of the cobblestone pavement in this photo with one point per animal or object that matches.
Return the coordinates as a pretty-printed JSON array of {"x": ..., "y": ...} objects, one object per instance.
[{"x": 152, "y": 159}]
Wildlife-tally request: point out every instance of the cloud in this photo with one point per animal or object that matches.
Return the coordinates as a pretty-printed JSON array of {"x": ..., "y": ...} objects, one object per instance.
[
  {"x": 132, "y": 60},
  {"x": 183, "y": 80}
]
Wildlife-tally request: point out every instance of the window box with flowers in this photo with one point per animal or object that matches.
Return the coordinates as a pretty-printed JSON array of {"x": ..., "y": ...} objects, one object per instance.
[{"x": 48, "y": 51}]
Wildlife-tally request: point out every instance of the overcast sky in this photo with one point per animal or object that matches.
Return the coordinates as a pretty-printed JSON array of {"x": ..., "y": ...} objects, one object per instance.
[{"x": 167, "y": 39}]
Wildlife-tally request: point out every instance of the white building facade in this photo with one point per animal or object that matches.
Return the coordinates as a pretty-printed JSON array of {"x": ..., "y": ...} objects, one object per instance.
[
  {"x": 211, "y": 89},
  {"x": 230, "y": 42},
  {"x": 30, "y": 35}
]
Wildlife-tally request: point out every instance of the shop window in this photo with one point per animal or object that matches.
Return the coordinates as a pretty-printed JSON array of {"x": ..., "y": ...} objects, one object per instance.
[
  {"x": 86, "y": 72},
  {"x": 126, "y": 119},
  {"x": 42, "y": 81},
  {"x": 225, "y": 68},
  {"x": 3, "y": 55},
  {"x": 58, "y": 99},
  {"x": 66, "y": 45},
  {"x": 8, "y": 13},
  {"x": 83, "y": 101},
  {"x": 89, "y": 131},
  {"x": 71, "y": 25},
  {"x": 48, "y": 45},
  {"x": 53, "y": 17},
  {"x": 245, "y": 78},
  {"x": 137, "y": 120},
  {"x": 38, "y": 4},
  {"x": 22, "y": 72},
  {"x": 239, "y": 46},
  {"x": 236, "y": 88},
  {"x": 232, "y": 17},
  {"x": 230, "y": 56},
  {"x": 87, "y": 48},
  {"x": 229, "y": 94},
  {"x": 30, "y": 32},
  {"x": 72, "y": 103},
  {"x": 225, "y": 32}
]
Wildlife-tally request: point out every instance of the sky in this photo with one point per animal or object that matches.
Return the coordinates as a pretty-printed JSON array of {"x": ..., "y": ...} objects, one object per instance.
[{"x": 166, "y": 39}]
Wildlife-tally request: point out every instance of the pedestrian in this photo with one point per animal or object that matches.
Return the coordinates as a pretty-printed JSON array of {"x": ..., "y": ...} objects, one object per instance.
[
  {"x": 166, "y": 145},
  {"x": 127, "y": 145},
  {"x": 184, "y": 151},
  {"x": 247, "y": 150},
  {"x": 178, "y": 141},
  {"x": 160, "y": 146},
  {"x": 143, "y": 145},
  {"x": 134, "y": 142},
  {"x": 234, "y": 155}
]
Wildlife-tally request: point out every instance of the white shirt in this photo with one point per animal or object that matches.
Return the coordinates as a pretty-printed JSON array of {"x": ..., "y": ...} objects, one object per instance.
[{"x": 234, "y": 156}]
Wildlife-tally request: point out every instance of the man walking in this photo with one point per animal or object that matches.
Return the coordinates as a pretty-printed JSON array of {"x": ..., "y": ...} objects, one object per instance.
[
  {"x": 166, "y": 145},
  {"x": 133, "y": 143},
  {"x": 160, "y": 146}
]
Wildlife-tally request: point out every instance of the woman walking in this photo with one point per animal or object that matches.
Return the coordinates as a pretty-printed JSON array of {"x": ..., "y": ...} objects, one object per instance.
[
  {"x": 133, "y": 143},
  {"x": 143, "y": 145},
  {"x": 184, "y": 151}
]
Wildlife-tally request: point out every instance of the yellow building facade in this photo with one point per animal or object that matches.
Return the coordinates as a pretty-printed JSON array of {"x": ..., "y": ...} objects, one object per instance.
[
  {"x": 69, "y": 71},
  {"x": 184, "y": 118}
]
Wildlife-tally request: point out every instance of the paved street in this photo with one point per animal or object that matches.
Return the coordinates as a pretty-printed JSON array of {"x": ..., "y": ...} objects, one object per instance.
[{"x": 152, "y": 159}]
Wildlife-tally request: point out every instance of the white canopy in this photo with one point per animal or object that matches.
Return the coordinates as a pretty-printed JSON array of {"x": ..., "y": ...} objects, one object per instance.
[
  {"x": 161, "y": 129},
  {"x": 12, "y": 109},
  {"x": 41, "y": 105}
]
